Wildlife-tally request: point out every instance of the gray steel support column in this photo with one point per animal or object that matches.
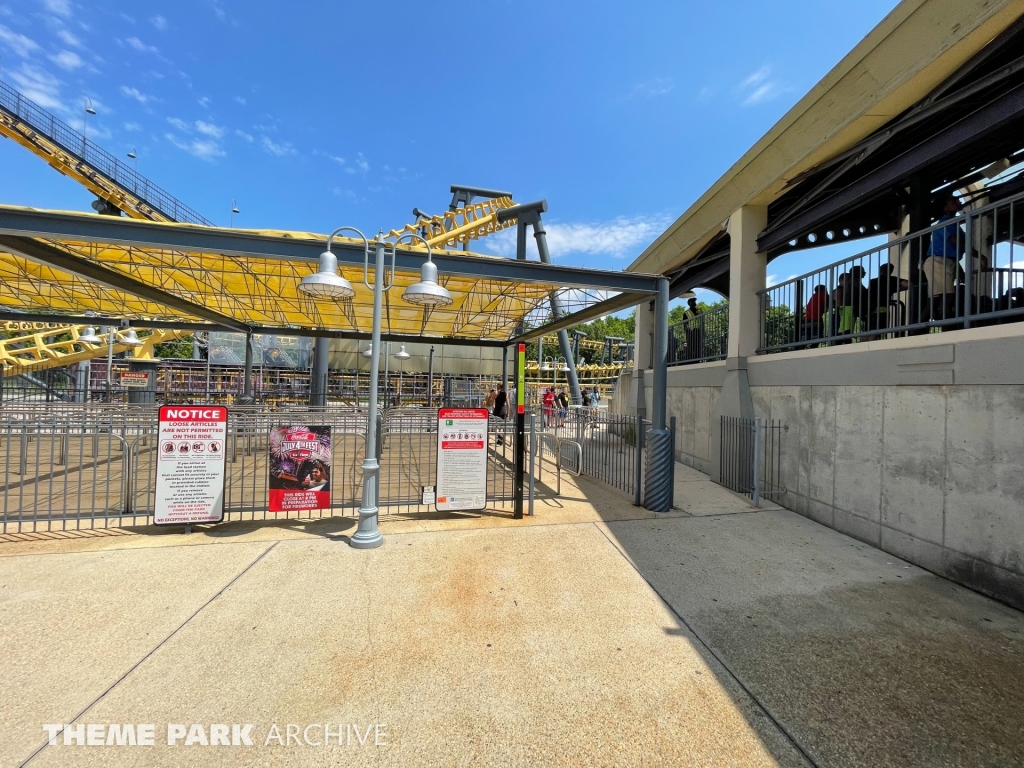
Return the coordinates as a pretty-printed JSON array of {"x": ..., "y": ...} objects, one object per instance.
[
  {"x": 318, "y": 374},
  {"x": 658, "y": 407},
  {"x": 504, "y": 368},
  {"x": 556, "y": 310},
  {"x": 247, "y": 384},
  {"x": 660, "y": 451}
]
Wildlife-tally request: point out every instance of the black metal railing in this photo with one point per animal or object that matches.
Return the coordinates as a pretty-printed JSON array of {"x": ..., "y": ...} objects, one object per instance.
[
  {"x": 700, "y": 339},
  {"x": 97, "y": 158},
  {"x": 964, "y": 271}
]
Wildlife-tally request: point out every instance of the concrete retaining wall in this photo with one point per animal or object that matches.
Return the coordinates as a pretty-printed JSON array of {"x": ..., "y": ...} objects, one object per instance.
[{"x": 915, "y": 446}]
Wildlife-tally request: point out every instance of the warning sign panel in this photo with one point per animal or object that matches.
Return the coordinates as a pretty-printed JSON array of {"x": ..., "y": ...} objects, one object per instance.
[
  {"x": 138, "y": 379},
  {"x": 190, "y": 464},
  {"x": 461, "y": 459}
]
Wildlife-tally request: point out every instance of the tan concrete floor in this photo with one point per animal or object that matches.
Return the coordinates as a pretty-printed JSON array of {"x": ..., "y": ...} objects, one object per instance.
[{"x": 594, "y": 633}]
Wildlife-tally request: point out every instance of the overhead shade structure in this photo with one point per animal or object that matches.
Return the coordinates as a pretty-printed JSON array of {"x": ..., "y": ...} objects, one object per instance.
[{"x": 281, "y": 282}]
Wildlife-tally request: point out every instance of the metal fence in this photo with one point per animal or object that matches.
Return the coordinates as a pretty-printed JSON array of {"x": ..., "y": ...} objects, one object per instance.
[
  {"x": 78, "y": 146},
  {"x": 964, "y": 271},
  {"x": 751, "y": 457},
  {"x": 76, "y": 466},
  {"x": 700, "y": 339},
  {"x": 611, "y": 445}
]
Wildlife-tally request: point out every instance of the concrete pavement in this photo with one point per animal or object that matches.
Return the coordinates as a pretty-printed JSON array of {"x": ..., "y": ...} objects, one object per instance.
[{"x": 593, "y": 634}]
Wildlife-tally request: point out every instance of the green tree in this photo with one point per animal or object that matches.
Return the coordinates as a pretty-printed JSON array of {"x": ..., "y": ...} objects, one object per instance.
[{"x": 178, "y": 349}]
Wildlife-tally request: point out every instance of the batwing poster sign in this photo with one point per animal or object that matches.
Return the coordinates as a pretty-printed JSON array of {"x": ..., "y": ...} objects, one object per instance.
[
  {"x": 461, "y": 459},
  {"x": 300, "y": 468},
  {"x": 190, "y": 464}
]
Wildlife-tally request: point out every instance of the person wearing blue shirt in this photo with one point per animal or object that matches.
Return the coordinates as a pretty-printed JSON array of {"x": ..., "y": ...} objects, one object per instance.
[{"x": 942, "y": 265}]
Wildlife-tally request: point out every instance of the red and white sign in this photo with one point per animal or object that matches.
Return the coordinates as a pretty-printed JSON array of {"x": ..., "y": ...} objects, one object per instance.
[
  {"x": 134, "y": 379},
  {"x": 461, "y": 459},
  {"x": 190, "y": 464}
]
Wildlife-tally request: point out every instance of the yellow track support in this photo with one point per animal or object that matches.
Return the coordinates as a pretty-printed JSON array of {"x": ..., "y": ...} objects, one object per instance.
[
  {"x": 36, "y": 346},
  {"x": 454, "y": 228}
]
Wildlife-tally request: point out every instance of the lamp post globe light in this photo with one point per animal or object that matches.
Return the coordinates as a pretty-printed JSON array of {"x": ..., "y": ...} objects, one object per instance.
[{"x": 426, "y": 293}]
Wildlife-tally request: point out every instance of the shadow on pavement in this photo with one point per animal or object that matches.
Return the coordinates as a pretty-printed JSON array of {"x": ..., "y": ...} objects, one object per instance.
[{"x": 859, "y": 657}]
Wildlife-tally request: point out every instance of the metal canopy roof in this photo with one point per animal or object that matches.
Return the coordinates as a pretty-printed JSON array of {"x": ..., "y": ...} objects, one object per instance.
[{"x": 58, "y": 262}]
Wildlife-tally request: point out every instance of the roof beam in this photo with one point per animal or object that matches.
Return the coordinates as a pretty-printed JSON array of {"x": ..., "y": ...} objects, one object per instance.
[
  {"x": 972, "y": 128},
  {"x": 24, "y": 222},
  {"x": 54, "y": 257},
  {"x": 600, "y": 309},
  {"x": 98, "y": 320}
]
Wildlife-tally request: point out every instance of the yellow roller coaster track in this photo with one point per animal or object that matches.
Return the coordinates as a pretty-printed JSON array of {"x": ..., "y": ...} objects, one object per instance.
[
  {"x": 454, "y": 228},
  {"x": 35, "y": 346}
]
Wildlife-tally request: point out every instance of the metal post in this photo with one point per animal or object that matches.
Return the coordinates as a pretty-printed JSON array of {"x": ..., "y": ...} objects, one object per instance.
[
  {"x": 660, "y": 355},
  {"x": 968, "y": 269},
  {"x": 660, "y": 452},
  {"x": 367, "y": 534},
  {"x": 520, "y": 452},
  {"x": 430, "y": 377},
  {"x": 504, "y": 368},
  {"x": 638, "y": 479},
  {"x": 672, "y": 482},
  {"x": 318, "y": 374},
  {"x": 533, "y": 458},
  {"x": 556, "y": 310},
  {"x": 247, "y": 384},
  {"x": 757, "y": 462},
  {"x": 110, "y": 363}
]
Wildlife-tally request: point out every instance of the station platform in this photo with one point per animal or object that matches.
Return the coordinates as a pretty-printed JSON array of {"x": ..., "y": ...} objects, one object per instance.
[{"x": 594, "y": 633}]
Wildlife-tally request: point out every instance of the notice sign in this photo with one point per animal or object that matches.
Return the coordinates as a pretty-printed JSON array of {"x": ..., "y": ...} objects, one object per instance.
[
  {"x": 190, "y": 464},
  {"x": 300, "y": 468},
  {"x": 461, "y": 459},
  {"x": 135, "y": 379}
]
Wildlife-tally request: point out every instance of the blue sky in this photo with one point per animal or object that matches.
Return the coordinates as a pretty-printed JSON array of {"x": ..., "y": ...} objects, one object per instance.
[{"x": 314, "y": 115}]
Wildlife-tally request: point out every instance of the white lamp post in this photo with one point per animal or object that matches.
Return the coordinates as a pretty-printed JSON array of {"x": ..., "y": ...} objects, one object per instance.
[
  {"x": 425, "y": 293},
  {"x": 85, "y": 121}
]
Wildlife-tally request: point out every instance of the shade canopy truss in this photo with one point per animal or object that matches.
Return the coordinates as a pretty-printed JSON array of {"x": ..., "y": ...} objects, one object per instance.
[{"x": 60, "y": 263}]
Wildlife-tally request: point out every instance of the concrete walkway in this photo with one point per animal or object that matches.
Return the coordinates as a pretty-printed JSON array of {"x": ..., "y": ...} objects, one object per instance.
[{"x": 593, "y": 634}]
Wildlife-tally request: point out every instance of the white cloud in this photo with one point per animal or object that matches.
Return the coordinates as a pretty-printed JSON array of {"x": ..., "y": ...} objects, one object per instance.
[
  {"x": 59, "y": 7},
  {"x": 138, "y": 45},
  {"x": 248, "y": 137},
  {"x": 159, "y": 22},
  {"x": 204, "y": 102},
  {"x": 337, "y": 159},
  {"x": 361, "y": 165},
  {"x": 218, "y": 10},
  {"x": 240, "y": 99},
  {"x": 132, "y": 127},
  {"x": 659, "y": 86},
  {"x": 180, "y": 124},
  {"x": 69, "y": 39},
  {"x": 67, "y": 60},
  {"x": 209, "y": 129},
  {"x": 280, "y": 150},
  {"x": 204, "y": 149},
  {"x": 21, "y": 45},
  {"x": 760, "y": 87},
  {"x": 621, "y": 237},
  {"x": 39, "y": 85},
  {"x": 136, "y": 94}
]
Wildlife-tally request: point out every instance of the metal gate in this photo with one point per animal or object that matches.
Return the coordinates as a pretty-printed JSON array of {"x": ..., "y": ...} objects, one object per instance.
[{"x": 751, "y": 457}]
